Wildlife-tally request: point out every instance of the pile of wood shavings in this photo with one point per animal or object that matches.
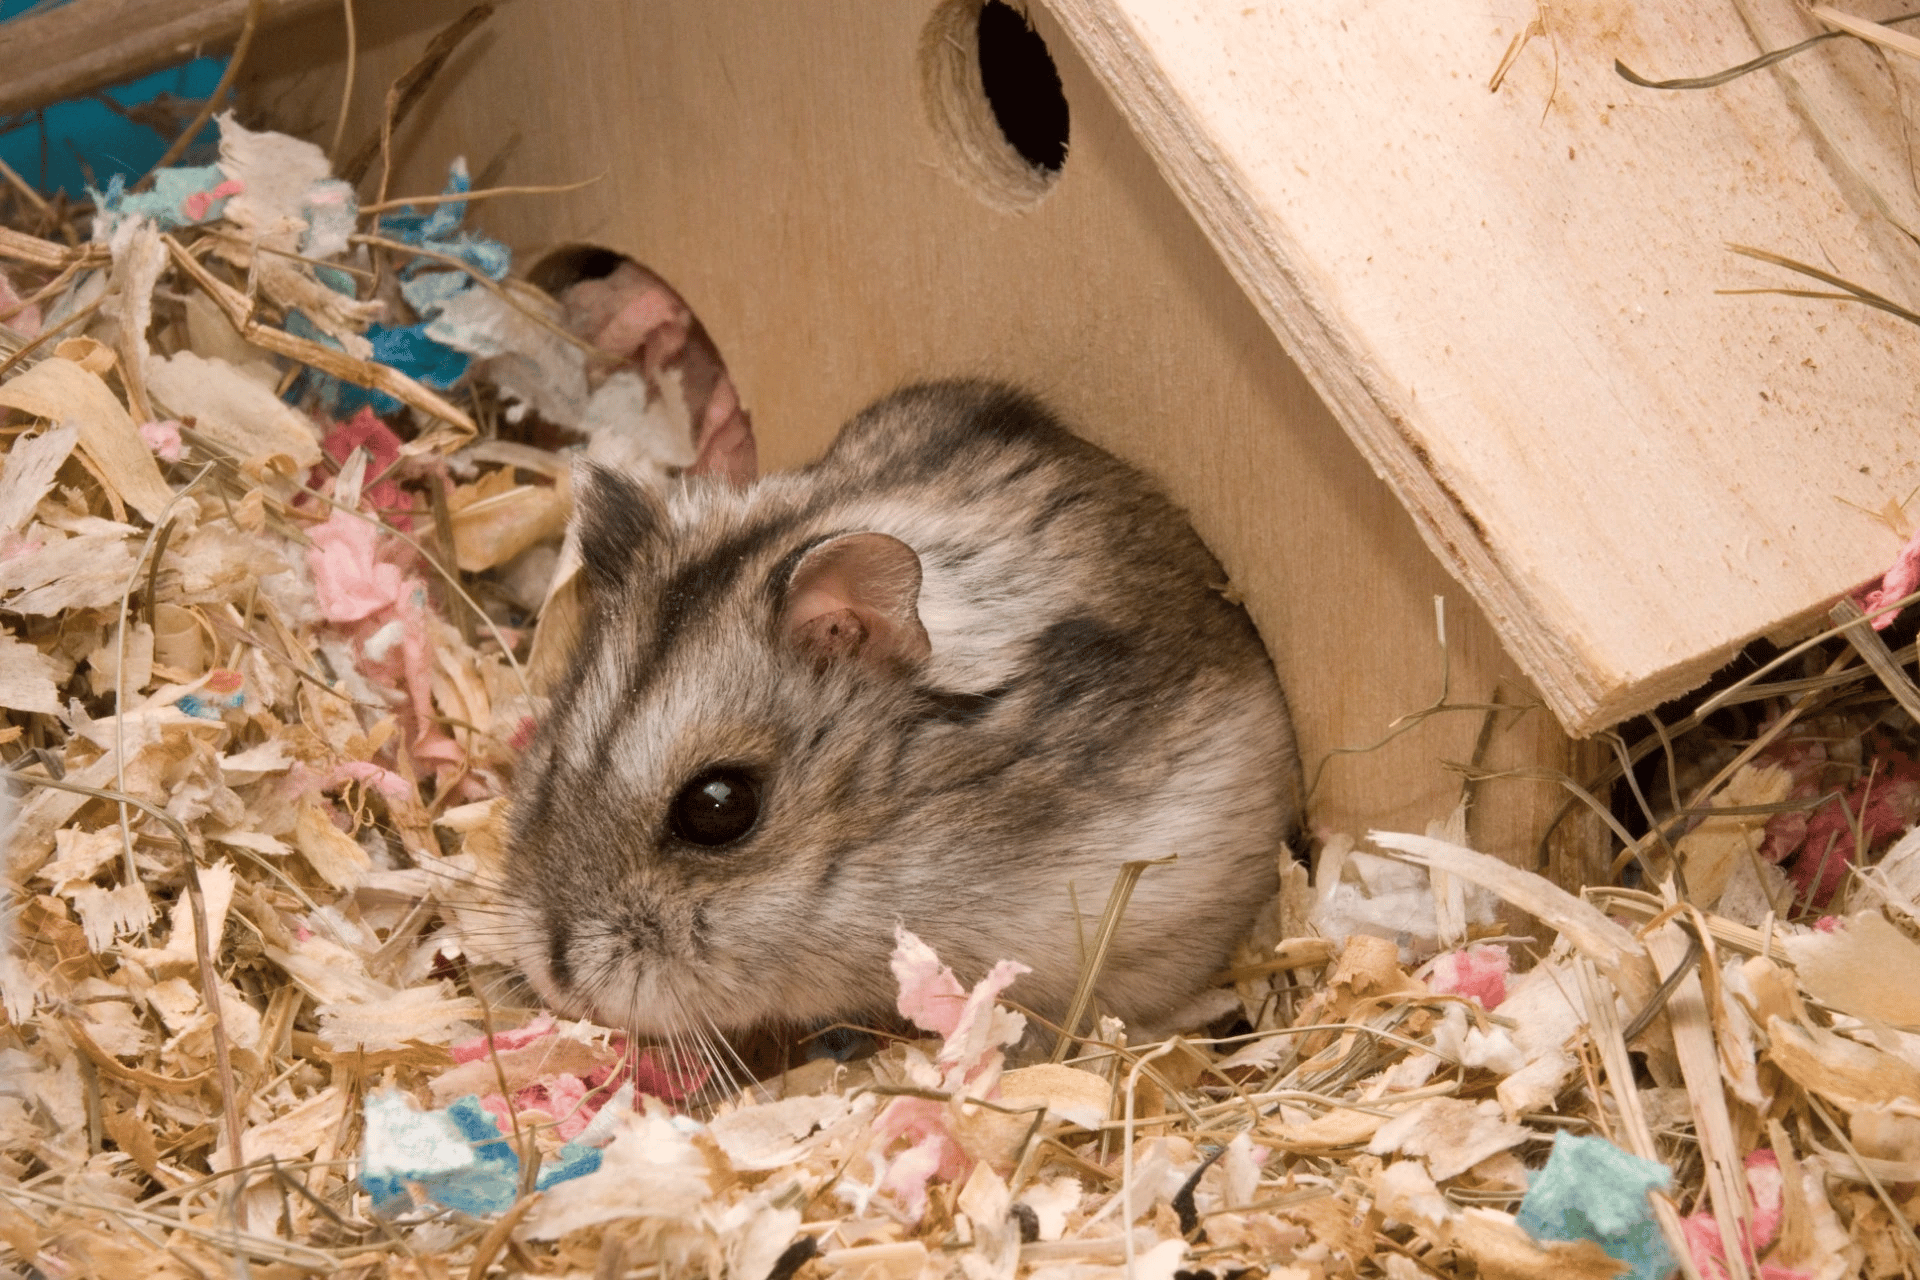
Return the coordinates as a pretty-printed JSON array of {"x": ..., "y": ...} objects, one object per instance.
[{"x": 264, "y": 674}]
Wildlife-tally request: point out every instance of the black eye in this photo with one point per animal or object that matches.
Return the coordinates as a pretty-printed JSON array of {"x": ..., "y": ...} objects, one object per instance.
[{"x": 718, "y": 807}]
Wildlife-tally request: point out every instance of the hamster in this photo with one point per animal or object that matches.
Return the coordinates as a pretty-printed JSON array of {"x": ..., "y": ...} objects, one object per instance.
[{"x": 951, "y": 676}]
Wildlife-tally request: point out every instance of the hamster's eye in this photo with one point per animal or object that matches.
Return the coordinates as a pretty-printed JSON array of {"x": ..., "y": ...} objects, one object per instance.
[{"x": 718, "y": 807}]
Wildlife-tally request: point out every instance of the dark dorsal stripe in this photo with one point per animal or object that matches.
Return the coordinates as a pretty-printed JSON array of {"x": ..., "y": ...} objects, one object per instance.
[
  {"x": 692, "y": 589},
  {"x": 559, "y": 963},
  {"x": 953, "y": 706}
]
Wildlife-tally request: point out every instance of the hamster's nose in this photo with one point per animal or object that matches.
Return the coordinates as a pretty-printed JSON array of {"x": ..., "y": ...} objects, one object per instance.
[{"x": 638, "y": 925}]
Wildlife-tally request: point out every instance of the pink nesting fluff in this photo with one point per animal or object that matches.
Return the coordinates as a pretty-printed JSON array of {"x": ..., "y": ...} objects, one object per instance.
[
  {"x": 564, "y": 1098},
  {"x": 1479, "y": 972},
  {"x": 906, "y": 1178},
  {"x": 968, "y": 1062},
  {"x": 572, "y": 1100},
  {"x": 15, "y": 313},
  {"x": 726, "y": 446},
  {"x": 930, "y": 996},
  {"x": 1765, "y": 1189},
  {"x": 1897, "y": 583},
  {"x": 163, "y": 438},
  {"x": 350, "y": 581},
  {"x": 384, "y": 780},
  {"x": 475, "y": 1049},
  {"x": 196, "y": 205},
  {"x": 365, "y": 431}
]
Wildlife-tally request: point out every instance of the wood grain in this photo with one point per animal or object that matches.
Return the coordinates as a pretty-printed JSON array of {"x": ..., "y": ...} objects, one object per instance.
[
  {"x": 84, "y": 45},
  {"x": 771, "y": 159},
  {"x": 1513, "y": 301}
]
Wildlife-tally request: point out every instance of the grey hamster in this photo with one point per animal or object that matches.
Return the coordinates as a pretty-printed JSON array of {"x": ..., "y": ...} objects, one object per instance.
[{"x": 952, "y": 676}]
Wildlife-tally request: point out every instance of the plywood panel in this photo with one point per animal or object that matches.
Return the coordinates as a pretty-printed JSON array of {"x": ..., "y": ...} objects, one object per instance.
[
  {"x": 771, "y": 159},
  {"x": 1512, "y": 299}
]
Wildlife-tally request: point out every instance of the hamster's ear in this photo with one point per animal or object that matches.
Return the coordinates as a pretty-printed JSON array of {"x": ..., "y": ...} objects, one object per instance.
[
  {"x": 856, "y": 597},
  {"x": 617, "y": 520}
]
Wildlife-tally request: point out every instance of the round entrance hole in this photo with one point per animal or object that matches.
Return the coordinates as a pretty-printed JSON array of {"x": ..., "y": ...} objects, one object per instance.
[
  {"x": 993, "y": 96},
  {"x": 645, "y": 332}
]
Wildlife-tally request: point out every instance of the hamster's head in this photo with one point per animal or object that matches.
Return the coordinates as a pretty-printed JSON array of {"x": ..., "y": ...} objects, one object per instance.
[{"x": 702, "y": 829}]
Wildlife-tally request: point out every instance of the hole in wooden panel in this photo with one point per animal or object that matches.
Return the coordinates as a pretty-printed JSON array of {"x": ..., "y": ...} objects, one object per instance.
[
  {"x": 1022, "y": 86},
  {"x": 644, "y": 328},
  {"x": 993, "y": 97}
]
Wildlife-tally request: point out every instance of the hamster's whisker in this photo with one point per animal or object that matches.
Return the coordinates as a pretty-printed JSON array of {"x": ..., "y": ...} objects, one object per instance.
[
  {"x": 494, "y": 933},
  {"x": 497, "y": 927},
  {"x": 673, "y": 1042},
  {"x": 455, "y": 878},
  {"x": 717, "y": 1072},
  {"x": 744, "y": 1082},
  {"x": 510, "y": 986},
  {"x": 672, "y": 1020},
  {"x": 718, "y": 1081},
  {"x": 688, "y": 1044}
]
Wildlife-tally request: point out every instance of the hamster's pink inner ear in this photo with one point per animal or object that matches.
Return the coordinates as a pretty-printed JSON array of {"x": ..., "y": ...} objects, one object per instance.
[{"x": 856, "y": 597}]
